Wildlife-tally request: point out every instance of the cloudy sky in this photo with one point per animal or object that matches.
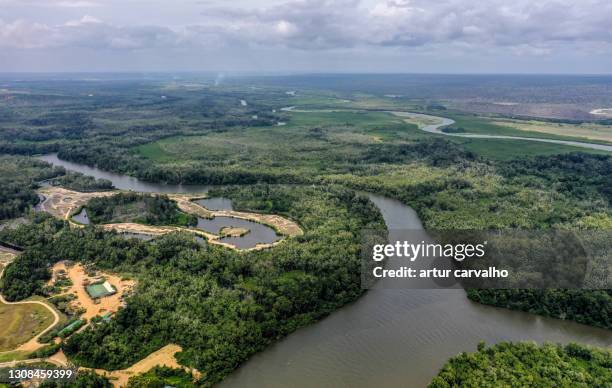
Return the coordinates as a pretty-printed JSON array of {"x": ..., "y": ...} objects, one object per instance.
[{"x": 448, "y": 36}]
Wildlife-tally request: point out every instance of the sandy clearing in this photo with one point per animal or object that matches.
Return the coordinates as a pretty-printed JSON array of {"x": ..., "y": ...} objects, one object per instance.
[
  {"x": 6, "y": 258},
  {"x": 162, "y": 357},
  {"x": 111, "y": 303},
  {"x": 280, "y": 224},
  {"x": 130, "y": 227},
  {"x": 62, "y": 203},
  {"x": 228, "y": 231},
  {"x": 160, "y": 230},
  {"x": 186, "y": 204}
]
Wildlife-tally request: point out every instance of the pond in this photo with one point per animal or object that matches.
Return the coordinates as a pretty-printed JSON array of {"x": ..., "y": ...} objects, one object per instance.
[
  {"x": 217, "y": 203},
  {"x": 81, "y": 217},
  {"x": 258, "y": 233}
]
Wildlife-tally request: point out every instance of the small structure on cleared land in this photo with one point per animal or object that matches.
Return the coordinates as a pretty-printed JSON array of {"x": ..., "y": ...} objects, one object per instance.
[{"x": 100, "y": 290}]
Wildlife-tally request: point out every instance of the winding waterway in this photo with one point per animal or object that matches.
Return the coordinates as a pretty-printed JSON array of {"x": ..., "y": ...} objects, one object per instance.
[
  {"x": 443, "y": 122},
  {"x": 389, "y": 337}
]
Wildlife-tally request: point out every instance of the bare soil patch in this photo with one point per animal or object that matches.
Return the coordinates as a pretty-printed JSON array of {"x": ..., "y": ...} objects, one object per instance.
[
  {"x": 229, "y": 231},
  {"x": 80, "y": 279},
  {"x": 62, "y": 203}
]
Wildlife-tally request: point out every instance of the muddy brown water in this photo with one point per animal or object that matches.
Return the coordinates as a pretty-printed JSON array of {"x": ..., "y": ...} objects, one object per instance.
[{"x": 388, "y": 337}]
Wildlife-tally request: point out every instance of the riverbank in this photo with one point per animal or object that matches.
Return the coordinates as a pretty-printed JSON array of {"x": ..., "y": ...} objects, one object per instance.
[
  {"x": 394, "y": 337},
  {"x": 434, "y": 124},
  {"x": 63, "y": 203}
]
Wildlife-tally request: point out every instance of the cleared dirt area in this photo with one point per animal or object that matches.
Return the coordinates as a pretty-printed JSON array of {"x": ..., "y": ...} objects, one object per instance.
[
  {"x": 80, "y": 278},
  {"x": 233, "y": 232},
  {"x": 162, "y": 357},
  {"x": 186, "y": 204},
  {"x": 62, "y": 203},
  {"x": 5, "y": 258},
  {"x": 280, "y": 224},
  {"x": 587, "y": 130},
  {"x": 130, "y": 227}
]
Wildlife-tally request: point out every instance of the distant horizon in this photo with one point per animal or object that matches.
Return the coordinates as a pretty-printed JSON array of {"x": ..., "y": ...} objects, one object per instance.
[
  {"x": 307, "y": 36},
  {"x": 297, "y": 73}
]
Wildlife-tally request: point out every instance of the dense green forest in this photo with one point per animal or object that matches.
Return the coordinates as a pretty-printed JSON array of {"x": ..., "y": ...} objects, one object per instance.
[
  {"x": 141, "y": 208},
  {"x": 220, "y": 305},
  {"x": 18, "y": 179},
  {"x": 82, "y": 380},
  {"x": 20, "y": 176},
  {"x": 161, "y": 377},
  {"x": 527, "y": 364},
  {"x": 79, "y": 182},
  {"x": 593, "y": 307}
]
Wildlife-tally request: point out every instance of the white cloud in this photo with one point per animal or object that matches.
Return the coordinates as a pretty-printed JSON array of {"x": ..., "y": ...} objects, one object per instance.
[
  {"x": 84, "y": 20},
  {"x": 526, "y": 27},
  {"x": 52, "y": 3},
  {"x": 285, "y": 28},
  {"x": 76, "y": 4}
]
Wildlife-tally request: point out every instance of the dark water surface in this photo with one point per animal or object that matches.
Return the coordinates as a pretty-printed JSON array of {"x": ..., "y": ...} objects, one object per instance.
[
  {"x": 124, "y": 182},
  {"x": 81, "y": 217},
  {"x": 217, "y": 203},
  {"x": 387, "y": 338},
  {"x": 258, "y": 233}
]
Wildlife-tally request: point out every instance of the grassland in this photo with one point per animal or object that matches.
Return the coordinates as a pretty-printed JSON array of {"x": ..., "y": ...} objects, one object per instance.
[
  {"x": 307, "y": 143},
  {"x": 342, "y": 135},
  {"x": 593, "y": 133},
  {"x": 19, "y": 323},
  {"x": 501, "y": 149},
  {"x": 588, "y": 131},
  {"x": 13, "y": 356}
]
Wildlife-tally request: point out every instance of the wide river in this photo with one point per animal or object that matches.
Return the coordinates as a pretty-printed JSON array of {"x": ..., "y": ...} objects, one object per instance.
[{"x": 387, "y": 338}]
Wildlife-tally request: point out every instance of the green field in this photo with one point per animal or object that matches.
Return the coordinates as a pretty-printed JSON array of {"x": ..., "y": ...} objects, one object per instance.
[
  {"x": 311, "y": 142},
  {"x": 13, "y": 356},
  {"x": 539, "y": 129},
  {"x": 19, "y": 323},
  {"x": 503, "y": 149},
  {"x": 364, "y": 120},
  {"x": 310, "y": 137}
]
